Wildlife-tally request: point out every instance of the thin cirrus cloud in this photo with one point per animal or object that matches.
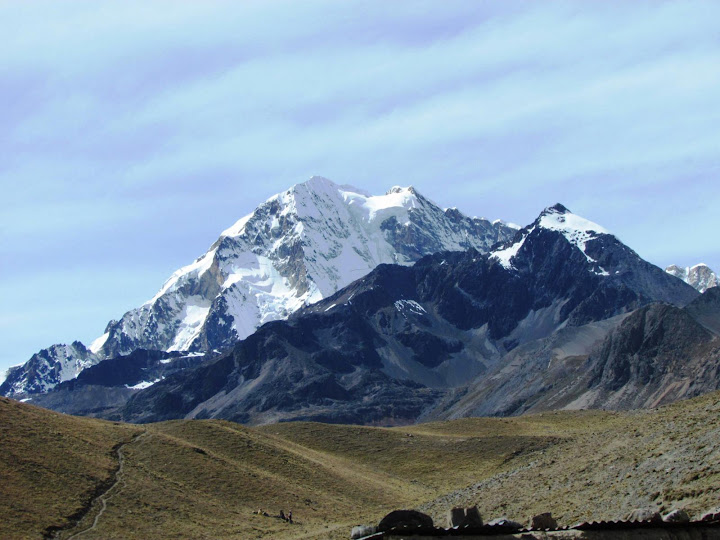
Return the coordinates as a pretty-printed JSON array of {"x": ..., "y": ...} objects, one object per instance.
[{"x": 134, "y": 132}]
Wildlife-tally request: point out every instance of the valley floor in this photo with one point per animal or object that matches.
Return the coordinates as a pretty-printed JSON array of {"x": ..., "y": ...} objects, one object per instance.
[{"x": 208, "y": 479}]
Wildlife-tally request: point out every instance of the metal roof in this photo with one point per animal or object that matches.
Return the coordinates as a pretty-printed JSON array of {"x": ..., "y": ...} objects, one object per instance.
[{"x": 498, "y": 529}]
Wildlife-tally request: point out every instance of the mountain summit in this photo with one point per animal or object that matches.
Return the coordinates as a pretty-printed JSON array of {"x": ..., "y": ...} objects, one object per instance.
[
  {"x": 577, "y": 230},
  {"x": 296, "y": 248}
]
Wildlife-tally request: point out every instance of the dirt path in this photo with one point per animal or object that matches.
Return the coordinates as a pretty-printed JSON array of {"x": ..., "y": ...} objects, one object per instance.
[{"x": 100, "y": 502}]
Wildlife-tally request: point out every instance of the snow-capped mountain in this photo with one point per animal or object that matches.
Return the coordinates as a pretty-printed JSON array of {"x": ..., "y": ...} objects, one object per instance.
[
  {"x": 296, "y": 248},
  {"x": 577, "y": 230},
  {"x": 46, "y": 368},
  {"x": 699, "y": 276},
  {"x": 393, "y": 346}
]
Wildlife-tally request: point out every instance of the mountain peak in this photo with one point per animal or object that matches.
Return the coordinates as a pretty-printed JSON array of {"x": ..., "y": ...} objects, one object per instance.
[
  {"x": 557, "y": 208},
  {"x": 319, "y": 185},
  {"x": 559, "y": 218},
  {"x": 315, "y": 184},
  {"x": 400, "y": 189},
  {"x": 319, "y": 181},
  {"x": 576, "y": 230},
  {"x": 700, "y": 276}
]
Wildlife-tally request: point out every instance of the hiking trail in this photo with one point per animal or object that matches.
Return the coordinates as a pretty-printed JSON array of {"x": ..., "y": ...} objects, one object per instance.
[{"x": 100, "y": 502}]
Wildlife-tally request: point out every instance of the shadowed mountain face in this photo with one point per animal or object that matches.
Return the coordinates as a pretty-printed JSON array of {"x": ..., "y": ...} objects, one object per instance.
[
  {"x": 401, "y": 343},
  {"x": 654, "y": 355},
  {"x": 659, "y": 354},
  {"x": 706, "y": 309}
]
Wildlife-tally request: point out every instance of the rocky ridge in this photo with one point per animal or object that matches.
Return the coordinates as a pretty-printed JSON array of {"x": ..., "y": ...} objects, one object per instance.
[{"x": 654, "y": 355}]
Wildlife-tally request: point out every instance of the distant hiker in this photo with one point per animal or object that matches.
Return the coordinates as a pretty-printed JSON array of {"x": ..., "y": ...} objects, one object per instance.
[
  {"x": 282, "y": 515},
  {"x": 290, "y": 516}
]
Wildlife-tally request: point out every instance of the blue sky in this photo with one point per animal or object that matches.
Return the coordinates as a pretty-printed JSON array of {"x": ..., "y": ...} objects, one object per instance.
[{"x": 134, "y": 132}]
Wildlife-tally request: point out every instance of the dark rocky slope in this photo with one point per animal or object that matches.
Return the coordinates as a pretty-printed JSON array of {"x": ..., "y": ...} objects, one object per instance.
[
  {"x": 659, "y": 354},
  {"x": 655, "y": 355}
]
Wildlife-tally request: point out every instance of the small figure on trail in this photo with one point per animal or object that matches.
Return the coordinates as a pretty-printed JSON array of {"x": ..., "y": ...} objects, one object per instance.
[
  {"x": 290, "y": 516},
  {"x": 282, "y": 515}
]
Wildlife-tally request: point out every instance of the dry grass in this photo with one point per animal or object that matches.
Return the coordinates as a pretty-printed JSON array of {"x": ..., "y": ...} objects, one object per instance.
[
  {"x": 50, "y": 466},
  {"x": 608, "y": 464},
  {"x": 205, "y": 479},
  {"x": 428, "y": 459}
]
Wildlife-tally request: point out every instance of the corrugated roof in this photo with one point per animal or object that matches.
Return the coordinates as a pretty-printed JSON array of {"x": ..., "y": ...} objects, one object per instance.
[{"x": 498, "y": 529}]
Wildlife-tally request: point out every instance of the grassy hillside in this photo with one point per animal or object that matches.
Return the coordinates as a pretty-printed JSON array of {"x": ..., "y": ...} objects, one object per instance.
[
  {"x": 205, "y": 479},
  {"x": 605, "y": 465},
  {"x": 51, "y": 465}
]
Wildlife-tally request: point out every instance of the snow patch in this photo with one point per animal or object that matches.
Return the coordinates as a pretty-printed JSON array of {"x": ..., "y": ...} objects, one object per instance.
[
  {"x": 255, "y": 293},
  {"x": 507, "y": 224},
  {"x": 602, "y": 272},
  {"x": 504, "y": 256},
  {"x": 379, "y": 207},
  {"x": 96, "y": 345},
  {"x": 238, "y": 227},
  {"x": 401, "y": 198},
  {"x": 71, "y": 363},
  {"x": 193, "y": 316},
  {"x": 257, "y": 271},
  {"x": 144, "y": 384},
  {"x": 200, "y": 266},
  {"x": 577, "y": 230},
  {"x": 570, "y": 223},
  {"x": 411, "y": 306}
]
